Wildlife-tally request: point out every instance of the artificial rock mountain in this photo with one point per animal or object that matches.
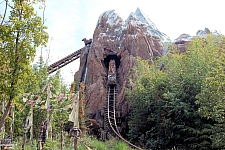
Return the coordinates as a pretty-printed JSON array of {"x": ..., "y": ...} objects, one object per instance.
[
  {"x": 183, "y": 40},
  {"x": 123, "y": 40}
]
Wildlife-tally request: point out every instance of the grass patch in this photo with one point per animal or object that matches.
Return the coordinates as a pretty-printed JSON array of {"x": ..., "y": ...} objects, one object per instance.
[
  {"x": 83, "y": 143},
  {"x": 121, "y": 146}
]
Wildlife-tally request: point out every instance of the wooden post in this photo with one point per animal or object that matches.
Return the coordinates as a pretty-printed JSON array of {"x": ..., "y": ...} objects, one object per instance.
[
  {"x": 75, "y": 140},
  {"x": 42, "y": 134},
  {"x": 39, "y": 145},
  {"x": 24, "y": 140},
  {"x": 61, "y": 136},
  {"x": 25, "y": 126},
  {"x": 50, "y": 125},
  {"x": 31, "y": 125},
  {"x": 75, "y": 133}
]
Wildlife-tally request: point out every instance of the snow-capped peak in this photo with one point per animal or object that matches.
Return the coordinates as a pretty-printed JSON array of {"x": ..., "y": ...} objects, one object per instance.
[
  {"x": 132, "y": 18},
  {"x": 112, "y": 17},
  {"x": 144, "y": 19},
  {"x": 141, "y": 18}
]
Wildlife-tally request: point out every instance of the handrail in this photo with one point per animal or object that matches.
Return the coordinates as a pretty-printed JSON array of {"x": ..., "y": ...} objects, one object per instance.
[{"x": 64, "y": 61}]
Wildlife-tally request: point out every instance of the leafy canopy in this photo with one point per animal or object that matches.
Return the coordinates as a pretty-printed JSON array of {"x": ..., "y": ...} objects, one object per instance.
[{"x": 169, "y": 94}]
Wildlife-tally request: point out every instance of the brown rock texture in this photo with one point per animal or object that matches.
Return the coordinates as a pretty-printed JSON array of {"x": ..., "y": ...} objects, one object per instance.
[
  {"x": 183, "y": 40},
  {"x": 124, "y": 40}
]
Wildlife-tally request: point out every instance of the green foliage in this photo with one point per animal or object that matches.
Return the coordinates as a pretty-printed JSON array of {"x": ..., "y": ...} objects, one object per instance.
[
  {"x": 211, "y": 98},
  {"x": 20, "y": 34},
  {"x": 51, "y": 145},
  {"x": 121, "y": 146},
  {"x": 96, "y": 145},
  {"x": 165, "y": 96}
]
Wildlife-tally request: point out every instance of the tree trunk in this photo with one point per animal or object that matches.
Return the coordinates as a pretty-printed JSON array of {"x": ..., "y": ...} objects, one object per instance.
[{"x": 5, "y": 114}]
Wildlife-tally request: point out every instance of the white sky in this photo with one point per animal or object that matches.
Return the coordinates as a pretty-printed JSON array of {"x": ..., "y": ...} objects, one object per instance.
[{"x": 72, "y": 20}]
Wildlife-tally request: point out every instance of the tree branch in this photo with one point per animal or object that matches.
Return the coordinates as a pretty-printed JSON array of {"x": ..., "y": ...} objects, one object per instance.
[
  {"x": 10, "y": 6},
  {"x": 6, "y": 4},
  {"x": 44, "y": 14}
]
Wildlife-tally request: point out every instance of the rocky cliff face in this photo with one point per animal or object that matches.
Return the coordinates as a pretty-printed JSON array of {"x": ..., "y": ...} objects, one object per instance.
[
  {"x": 123, "y": 41},
  {"x": 184, "y": 39}
]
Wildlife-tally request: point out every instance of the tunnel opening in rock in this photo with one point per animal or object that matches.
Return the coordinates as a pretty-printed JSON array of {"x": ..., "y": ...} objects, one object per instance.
[{"x": 110, "y": 57}]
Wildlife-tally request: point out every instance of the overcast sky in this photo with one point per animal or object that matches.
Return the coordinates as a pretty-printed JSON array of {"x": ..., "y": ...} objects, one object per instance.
[{"x": 70, "y": 21}]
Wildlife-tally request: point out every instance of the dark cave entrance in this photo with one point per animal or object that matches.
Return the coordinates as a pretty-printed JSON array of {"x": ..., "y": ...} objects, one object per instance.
[{"x": 109, "y": 57}]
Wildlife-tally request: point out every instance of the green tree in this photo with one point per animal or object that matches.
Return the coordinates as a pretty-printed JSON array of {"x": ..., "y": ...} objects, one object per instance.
[
  {"x": 211, "y": 98},
  {"x": 37, "y": 91},
  {"x": 20, "y": 34},
  {"x": 165, "y": 98}
]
